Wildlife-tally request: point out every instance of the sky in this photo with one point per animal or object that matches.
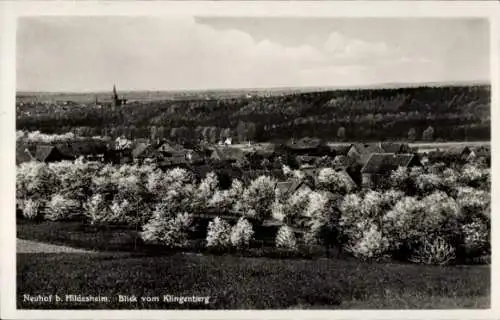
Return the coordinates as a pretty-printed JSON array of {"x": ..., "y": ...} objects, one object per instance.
[{"x": 78, "y": 54}]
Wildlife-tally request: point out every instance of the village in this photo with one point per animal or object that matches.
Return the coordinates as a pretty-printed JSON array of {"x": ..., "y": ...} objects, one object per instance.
[{"x": 365, "y": 165}]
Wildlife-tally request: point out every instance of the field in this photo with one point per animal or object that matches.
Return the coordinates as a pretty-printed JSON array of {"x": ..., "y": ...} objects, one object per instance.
[
  {"x": 233, "y": 282},
  {"x": 250, "y": 283}
]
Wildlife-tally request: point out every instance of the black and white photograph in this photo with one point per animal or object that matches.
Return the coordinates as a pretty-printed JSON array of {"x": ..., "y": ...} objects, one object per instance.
[{"x": 232, "y": 162}]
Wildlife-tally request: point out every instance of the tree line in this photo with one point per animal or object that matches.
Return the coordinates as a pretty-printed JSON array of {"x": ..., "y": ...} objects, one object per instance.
[{"x": 453, "y": 113}]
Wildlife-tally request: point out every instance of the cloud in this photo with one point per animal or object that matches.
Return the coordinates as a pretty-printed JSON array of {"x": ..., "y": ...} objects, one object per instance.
[{"x": 72, "y": 54}]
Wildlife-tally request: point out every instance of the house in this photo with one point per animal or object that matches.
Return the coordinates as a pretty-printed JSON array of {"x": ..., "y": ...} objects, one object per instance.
[
  {"x": 227, "y": 154},
  {"x": 49, "y": 153},
  {"x": 360, "y": 152},
  {"x": 287, "y": 188},
  {"x": 89, "y": 149},
  {"x": 377, "y": 170}
]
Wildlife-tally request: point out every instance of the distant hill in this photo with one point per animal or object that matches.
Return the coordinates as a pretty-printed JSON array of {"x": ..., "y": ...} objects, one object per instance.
[{"x": 455, "y": 112}]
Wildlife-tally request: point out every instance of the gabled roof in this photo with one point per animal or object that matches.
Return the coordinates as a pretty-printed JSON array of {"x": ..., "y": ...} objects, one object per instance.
[
  {"x": 366, "y": 150},
  {"x": 341, "y": 149},
  {"x": 382, "y": 163},
  {"x": 43, "y": 152}
]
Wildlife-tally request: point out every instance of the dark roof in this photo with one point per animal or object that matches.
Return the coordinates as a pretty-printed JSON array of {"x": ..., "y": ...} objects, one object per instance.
[
  {"x": 74, "y": 149},
  {"x": 380, "y": 163},
  {"x": 366, "y": 150},
  {"x": 228, "y": 153},
  {"x": 43, "y": 152},
  {"x": 289, "y": 187},
  {"x": 305, "y": 143},
  {"x": 341, "y": 149}
]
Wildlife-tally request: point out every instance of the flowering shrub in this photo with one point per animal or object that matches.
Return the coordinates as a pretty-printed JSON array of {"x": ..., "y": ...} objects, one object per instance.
[
  {"x": 474, "y": 176},
  {"x": 97, "y": 210},
  {"x": 371, "y": 243},
  {"x": 258, "y": 197},
  {"x": 35, "y": 180},
  {"x": 205, "y": 191},
  {"x": 285, "y": 238},
  {"x": 400, "y": 178},
  {"x": 473, "y": 201},
  {"x": 242, "y": 233},
  {"x": 427, "y": 183},
  {"x": 75, "y": 178},
  {"x": 333, "y": 181},
  {"x": 295, "y": 206},
  {"x": 166, "y": 230},
  {"x": 218, "y": 234},
  {"x": 61, "y": 208},
  {"x": 476, "y": 235},
  {"x": 401, "y": 222},
  {"x": 433, "y": 251},
  {"x": 324, "y": 215},
  {"x": 31, "y": 209}
]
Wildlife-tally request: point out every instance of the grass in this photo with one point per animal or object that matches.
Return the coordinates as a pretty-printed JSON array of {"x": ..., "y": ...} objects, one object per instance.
[
  {"x": 249, "y": 283},
  {"x": 232, "y": 282}
]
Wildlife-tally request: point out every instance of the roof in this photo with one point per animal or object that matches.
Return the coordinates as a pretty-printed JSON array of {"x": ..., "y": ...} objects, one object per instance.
[
  {"x": 305, "y": 143},
  {"x": 228, "y": 153},
  {"x": 366, "y": 150},
  {"x": 75, "y": 149},
  {"x": 44, "y": 151},
  {"x": 341, "y": 149},
  {"x": 379, "y": 163},
  {"x": 288, "y": 187}
]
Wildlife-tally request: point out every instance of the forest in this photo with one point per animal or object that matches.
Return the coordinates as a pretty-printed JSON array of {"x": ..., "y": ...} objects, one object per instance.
[{"x": 455, "y": 113}]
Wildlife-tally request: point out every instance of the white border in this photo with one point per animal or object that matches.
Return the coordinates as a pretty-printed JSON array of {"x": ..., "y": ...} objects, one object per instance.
[{"x": 9, "y": 11}]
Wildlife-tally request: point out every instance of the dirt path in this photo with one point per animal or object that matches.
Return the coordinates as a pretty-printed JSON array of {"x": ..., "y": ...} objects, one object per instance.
[{"x": 27, "y": 246}]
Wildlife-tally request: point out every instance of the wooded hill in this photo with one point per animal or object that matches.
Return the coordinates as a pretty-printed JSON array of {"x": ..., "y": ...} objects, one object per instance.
[{"x": 455, "y": 113}]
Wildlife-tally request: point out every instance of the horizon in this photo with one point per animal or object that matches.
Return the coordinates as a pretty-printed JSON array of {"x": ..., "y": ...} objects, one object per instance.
[
  {"x": 89, "y": 54},
  {"x": 379, "y": 86}
]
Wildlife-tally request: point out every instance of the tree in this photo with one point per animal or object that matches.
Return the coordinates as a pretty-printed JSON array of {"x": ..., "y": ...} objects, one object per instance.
[
  {"x": 258, "y": 198},
  {"x": 428, "y": 134},
  {"x": 412, "y": 134},
  {"x": 218, "y": 234},
  {"x": 341, "y": 133},
  {"x": 242, "y": 233},
  {"x": 153, "y": 132}
]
